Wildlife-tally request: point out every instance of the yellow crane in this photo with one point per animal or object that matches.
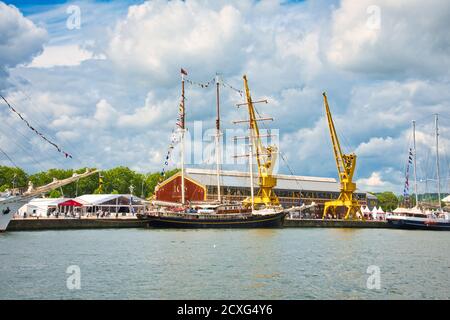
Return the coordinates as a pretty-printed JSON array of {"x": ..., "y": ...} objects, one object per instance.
[
  {"x": 346, "y": 164},
  {"x": 265, "y": 158}
]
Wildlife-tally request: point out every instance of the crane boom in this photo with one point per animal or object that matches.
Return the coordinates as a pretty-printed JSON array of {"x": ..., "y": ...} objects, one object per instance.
[
  {"x": 334, "y": 139},
  {"x": 265, "y": 158},
  {"x": 346, "y": 164}
]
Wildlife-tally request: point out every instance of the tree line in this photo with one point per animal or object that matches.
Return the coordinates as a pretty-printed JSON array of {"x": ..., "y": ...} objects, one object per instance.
[
  {"x": 115, "y": 181},
  {"x": 389, "y": 201}
]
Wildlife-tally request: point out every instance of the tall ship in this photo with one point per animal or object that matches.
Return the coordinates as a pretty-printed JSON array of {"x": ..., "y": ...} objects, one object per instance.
[
  {"x": 417, "y": 218},
  {"x": 259, "y": 210},
  {"x": 12, "y": 200}
]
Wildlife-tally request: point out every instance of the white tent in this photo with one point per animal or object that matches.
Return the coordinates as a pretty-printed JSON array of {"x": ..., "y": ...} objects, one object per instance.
[
  {"x": 446, "y": 200},
  {"x": 40, "y": 207},
  {"x": 125, "y": 204},
  {"x": 365, "y": 210},
  {"x": 374, "y": 213}
]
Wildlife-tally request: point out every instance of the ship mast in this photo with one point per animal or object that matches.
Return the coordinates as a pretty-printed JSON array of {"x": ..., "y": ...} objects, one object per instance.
[
  {"x": 437, "y": 160},
  {"x": 265, "y": 158},
  {"x": 415, "y": 162},
  {"x": 218, "y": 153},
  {"x": 182, "y": 126}
]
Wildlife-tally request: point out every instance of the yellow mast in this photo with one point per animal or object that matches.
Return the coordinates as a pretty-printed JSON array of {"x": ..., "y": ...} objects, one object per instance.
[
  {"x": 265, "y": 158},
  {"x": 345, "y": 164}
]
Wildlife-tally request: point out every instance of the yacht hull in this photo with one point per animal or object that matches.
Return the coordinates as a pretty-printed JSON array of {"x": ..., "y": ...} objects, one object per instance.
[
  {"x": 8, "y": 207},
  {"x": 419, "y": 225},
  {"x": 252, "y": 221}
]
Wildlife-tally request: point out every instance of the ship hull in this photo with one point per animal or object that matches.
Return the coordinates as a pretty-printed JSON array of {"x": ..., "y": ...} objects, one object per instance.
[
  {"x": 418, "y": 225},
  {"x": 8, "y": 207},
  {"x": 253, "y": 221}
]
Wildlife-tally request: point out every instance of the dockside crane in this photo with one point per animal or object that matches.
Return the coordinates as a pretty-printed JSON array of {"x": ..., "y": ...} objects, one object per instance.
[
  {"x": 346, "y": 164},
  {"x": 265, "y": 157}
]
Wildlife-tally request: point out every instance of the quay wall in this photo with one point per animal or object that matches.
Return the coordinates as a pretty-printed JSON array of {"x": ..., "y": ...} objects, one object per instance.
[
  {"x": 67, "y": 224},
  {"x": 33, "y": 224}
]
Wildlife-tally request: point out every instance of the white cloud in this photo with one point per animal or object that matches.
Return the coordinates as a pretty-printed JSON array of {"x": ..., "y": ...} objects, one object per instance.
[
  {"x": 412, "y": 37},
  {"x": 20, "y": 39},
  {"x": 128, "y": 102},
  {"x": 159, "y": 37},
  {"x": 63, "y": 55},
  {"x": 375, "y": 183}
]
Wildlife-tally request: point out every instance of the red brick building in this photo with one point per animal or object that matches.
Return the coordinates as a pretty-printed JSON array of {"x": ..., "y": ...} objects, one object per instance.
[{"x": 170, "y": 190}]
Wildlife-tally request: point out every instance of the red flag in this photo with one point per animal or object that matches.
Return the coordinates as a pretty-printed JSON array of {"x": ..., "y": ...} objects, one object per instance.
[{"x": 183, "y": 71}]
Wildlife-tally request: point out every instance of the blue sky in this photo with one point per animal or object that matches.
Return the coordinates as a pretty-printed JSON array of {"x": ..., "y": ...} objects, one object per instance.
[{"x": 108, "y": 91}]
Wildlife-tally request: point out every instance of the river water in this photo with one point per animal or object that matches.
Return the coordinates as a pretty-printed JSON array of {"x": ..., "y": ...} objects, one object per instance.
[{"x": 225, "y": 264}]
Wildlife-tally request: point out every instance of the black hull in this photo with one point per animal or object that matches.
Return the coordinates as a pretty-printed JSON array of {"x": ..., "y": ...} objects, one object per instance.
[
  {"x": 419, "y": 225},
  {"x": 268, "y": 221}
]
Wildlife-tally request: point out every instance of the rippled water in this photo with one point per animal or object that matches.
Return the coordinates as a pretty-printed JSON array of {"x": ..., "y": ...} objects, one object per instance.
[{"x": 225, "y": 264}]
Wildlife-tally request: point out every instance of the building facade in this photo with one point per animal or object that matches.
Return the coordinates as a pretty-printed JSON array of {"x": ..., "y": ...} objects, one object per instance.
[{"x": 201, "y": 185}]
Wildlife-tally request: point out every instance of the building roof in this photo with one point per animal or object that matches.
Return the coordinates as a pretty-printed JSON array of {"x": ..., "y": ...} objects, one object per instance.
[
  {"x": 46, "y": 202},
  {"x": 284, "y": 182},
  {"x": 446, "y": 199},
  {"x": 98, "y": 199}
]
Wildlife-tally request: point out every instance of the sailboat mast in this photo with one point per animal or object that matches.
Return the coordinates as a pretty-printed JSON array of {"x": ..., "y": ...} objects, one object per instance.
[
  {"x": 250, "y": 164},
  {"x": 182, "y": 125},
  {"x": 415, "y": 163},
  {"x": 437, "y": 160},
  {"x": 218, "y": 138}
]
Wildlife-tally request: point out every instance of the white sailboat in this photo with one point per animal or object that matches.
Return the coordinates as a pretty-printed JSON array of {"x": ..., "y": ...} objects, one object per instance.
[
  {"x": 417, "y": 218},
  {"x": 10, "y": 203}
]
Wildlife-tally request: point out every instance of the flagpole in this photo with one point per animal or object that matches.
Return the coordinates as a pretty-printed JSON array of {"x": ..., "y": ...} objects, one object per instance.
[
  {"x": 182, "y": 120},
  {"x": 415, "y": 164},
  {"x": 437, "y": 161},
  {"x": 218, "y": 138}
]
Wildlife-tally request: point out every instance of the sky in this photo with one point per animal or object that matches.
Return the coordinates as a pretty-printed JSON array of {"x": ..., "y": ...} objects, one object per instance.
[{"x": 101, "y": 80}]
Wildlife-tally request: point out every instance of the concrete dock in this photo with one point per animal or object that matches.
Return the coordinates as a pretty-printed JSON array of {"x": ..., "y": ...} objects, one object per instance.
[{"x": 35, "y": 224}]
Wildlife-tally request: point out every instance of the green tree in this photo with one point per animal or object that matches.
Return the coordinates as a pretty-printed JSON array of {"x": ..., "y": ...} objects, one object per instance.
[
  {"x": 120, "y": 179},
  {"x": 387, "y": 200},
  {"x": 12, "y": 177},
  {"x": 115, "y": 180},
  {"x": 55, "y": 194}
]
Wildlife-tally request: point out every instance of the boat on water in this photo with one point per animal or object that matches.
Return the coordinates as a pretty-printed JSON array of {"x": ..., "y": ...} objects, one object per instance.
[
  {"x": 11, "y": 202},
  {"x": 219, "y": 216},
  {"x": 417, "y": 218},
  {"x": 261, "y": 210}
]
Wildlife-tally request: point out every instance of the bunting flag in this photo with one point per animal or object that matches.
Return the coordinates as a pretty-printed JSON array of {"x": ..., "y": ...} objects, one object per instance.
[
  {"x": 180, "y": 119},
  {"x": 226, "y": 85},
  {"x": 100, "y": 182},
  {"x": 201, "y": 85},
  {"x": 174, "y": 140},
  {"x": 406, "y": 188},
  {"x": 66, "y": 154}
]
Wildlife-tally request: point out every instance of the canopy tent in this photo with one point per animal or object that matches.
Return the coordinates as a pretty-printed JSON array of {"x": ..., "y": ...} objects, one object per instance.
[
  {"x": 365, "y": 210},
  {"x": 111, "y": 204},
  {"x": 41, "y": 207},
  {"x": 70, "y": 203}
]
